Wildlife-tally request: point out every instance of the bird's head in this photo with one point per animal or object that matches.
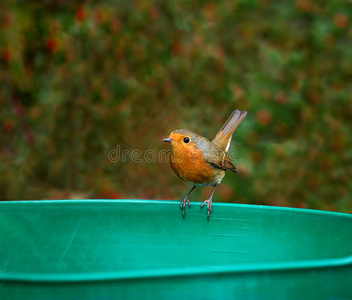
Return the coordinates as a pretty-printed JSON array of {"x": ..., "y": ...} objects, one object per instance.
[{"x": 183, "y": 140}]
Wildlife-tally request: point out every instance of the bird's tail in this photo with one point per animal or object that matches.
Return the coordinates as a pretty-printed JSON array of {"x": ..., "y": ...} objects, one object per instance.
[{"x": 223, "y": 137}]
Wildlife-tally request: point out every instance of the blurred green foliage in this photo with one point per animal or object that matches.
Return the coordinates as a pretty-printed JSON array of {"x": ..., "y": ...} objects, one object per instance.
[{"x": 79, "y": 79}]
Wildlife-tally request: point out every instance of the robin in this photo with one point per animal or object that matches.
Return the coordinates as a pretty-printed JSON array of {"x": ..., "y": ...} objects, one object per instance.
[{"x": 200, "y": 162}]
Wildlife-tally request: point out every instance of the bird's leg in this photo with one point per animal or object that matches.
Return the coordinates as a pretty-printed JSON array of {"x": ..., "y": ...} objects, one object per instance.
[
  {"x": 209, "y": 202},
  {"x": 183, "y": 202}
]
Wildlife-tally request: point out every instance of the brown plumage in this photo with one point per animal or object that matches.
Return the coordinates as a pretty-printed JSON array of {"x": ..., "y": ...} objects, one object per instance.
[
  {"x": 223, "y": 137},
  {"x": 200, "y": 162}
]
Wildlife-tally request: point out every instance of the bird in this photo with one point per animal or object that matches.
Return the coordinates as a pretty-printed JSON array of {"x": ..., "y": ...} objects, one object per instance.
[{"x": 201, "y": 162}]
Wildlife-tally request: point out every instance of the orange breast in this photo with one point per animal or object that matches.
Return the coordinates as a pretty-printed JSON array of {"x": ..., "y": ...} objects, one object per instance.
[{"x": 191, "y": 166}]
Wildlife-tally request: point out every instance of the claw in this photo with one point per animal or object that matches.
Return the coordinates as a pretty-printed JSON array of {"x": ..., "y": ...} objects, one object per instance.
[
  {"x": 183, "y": 202},
  {"x": 209, "y": 205},
  {"x": 183, "y": 205}
]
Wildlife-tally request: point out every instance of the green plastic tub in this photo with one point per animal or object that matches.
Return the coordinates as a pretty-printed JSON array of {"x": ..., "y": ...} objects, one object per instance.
[{"x": 144, "y": 249}]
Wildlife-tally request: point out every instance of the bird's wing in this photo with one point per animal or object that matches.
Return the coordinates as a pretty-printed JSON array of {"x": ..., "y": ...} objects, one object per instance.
[
  {"x": 220, "y": 159},
  {"x": 223, "y": 137}
]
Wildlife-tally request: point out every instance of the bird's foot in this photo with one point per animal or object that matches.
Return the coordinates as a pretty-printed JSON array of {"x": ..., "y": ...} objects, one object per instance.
[
  {"x": 183, "y": 205},
  {"x": 209, "y": 205}
]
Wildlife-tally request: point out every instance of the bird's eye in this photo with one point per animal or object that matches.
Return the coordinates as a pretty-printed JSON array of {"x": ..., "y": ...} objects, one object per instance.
[{"x": 186, "y": 140}]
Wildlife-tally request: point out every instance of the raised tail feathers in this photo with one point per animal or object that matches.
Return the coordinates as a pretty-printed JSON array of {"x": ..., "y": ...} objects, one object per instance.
[{"x": 223, "y": 137}]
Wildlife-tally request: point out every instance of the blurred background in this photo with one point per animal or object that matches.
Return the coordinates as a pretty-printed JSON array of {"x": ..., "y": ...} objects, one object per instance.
[{"x": 81, "y": 80}]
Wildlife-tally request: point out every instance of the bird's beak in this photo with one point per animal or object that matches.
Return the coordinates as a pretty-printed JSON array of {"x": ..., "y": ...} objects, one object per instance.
[{"x": 167, "y": 140}]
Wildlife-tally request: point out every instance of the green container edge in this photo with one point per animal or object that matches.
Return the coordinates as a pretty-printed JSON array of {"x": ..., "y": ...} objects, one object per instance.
[{"x": 179, "y": 272}]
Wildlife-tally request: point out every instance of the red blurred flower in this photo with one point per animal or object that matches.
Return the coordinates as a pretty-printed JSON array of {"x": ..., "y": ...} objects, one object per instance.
[
  {"x": 263, "y": 117},
  {"x": 6, "y": 55},
  {"x": 280, "y": 97},
  {"x": 176, "y": 48},
  {"x": 340, "y": 20},
  {"x": 115, "y": 26},
  {"x": 225, "y": 191},
  {"x": 153, "y": 13},
  {"x": 303, "y": 5},
  {"x": 51, "y": 44},
  {"x": 80, "y": 15},
  {"x": 98, "y": 16},
  {"x": 8, "y": 126},
  {"x": 6, "y": 20}
]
